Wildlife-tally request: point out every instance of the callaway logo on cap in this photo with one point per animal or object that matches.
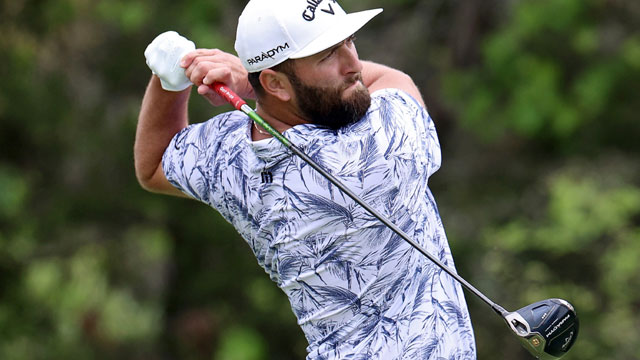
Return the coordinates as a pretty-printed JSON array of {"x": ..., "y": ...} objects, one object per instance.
[{"x": 272, "y": 31}]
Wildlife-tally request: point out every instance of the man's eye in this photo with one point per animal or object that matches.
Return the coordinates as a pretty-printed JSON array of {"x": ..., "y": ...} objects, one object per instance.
[{"x": 329, "y": 55}]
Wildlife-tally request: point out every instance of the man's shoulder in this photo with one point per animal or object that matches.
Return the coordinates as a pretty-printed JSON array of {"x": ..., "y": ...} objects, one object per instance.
[
  {"x": 395, "y": 96},
  {"x": 210, "y": 133},
  {"x": 223, "y": 123},
  {"x": 395, "y": 106},
  {"x": 229, "y": 118}
]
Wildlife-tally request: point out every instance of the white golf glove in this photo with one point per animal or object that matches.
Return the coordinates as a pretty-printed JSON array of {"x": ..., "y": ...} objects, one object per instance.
[{"x": 163, "y": 58}]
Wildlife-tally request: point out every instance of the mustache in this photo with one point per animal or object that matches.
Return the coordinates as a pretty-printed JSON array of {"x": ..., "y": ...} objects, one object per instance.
[
  {"x": 355, "y": 78},
  {"x": 352, "y": 80}
]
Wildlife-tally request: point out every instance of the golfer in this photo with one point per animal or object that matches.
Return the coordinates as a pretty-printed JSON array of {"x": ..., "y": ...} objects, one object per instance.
[{"x": 357, "y": 289}]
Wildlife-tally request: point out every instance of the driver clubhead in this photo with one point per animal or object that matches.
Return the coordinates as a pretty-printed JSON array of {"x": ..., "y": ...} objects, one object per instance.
[{"x": 547, "y": 328}]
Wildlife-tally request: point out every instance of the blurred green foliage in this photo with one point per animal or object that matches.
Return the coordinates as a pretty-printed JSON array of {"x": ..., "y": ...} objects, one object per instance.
[
  {"x": 554, "y": 68},
  {"x": 536, "y": 106},
  {"x": 583, "y": 246}
]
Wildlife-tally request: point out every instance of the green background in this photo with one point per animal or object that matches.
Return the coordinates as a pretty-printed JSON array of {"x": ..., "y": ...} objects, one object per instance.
[{"x": 536, "y": 103}]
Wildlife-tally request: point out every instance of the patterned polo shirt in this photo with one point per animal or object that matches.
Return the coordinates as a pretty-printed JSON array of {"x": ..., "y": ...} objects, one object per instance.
[{"x": 357, "y": 289}]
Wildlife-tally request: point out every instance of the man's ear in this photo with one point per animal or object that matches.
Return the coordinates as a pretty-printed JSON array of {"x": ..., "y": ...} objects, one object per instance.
[{"x": 276, "y": 84}]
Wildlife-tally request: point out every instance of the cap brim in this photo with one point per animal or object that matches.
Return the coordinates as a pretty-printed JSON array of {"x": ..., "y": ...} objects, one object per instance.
[{"x": 345, "y": 27}]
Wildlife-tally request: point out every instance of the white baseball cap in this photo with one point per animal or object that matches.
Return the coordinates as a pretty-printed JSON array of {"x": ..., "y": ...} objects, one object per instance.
[{"x": 272, "y": 31}]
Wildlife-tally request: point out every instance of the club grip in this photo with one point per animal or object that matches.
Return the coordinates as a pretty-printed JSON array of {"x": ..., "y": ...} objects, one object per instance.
[{"x": 228, "y": 95}]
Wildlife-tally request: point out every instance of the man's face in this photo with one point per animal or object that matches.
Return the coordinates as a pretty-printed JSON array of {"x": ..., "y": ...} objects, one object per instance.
[
  {"x": 332, "y": 106},
  {"x": 332, "y": 93}
]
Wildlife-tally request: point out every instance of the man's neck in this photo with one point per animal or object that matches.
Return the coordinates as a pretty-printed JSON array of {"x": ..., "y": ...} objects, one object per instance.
[{"x": 280, "y": 116}]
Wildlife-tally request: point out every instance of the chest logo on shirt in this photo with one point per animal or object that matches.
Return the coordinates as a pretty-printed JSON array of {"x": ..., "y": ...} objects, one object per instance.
[{"x": 267, "y": 177}]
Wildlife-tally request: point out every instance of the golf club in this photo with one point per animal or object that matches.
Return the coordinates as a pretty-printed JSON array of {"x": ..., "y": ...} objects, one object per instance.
[{"x": 547, "y": 328}]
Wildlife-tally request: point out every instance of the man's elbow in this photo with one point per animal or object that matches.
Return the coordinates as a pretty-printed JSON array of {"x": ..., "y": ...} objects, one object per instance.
[
  {"x": 157, "y": 183},
  {"x": 145, "y": 181},
  {"x": 146, "y": 176}
]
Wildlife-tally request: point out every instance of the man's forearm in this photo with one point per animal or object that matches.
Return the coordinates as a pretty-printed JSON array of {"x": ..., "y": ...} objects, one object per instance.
[{"x": 162, "y": 115}]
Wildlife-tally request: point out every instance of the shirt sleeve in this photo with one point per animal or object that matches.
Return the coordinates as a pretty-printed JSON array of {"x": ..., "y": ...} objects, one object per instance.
[
  {"x": 187, "y": 161},
  {"x": 407, "y": 116}
]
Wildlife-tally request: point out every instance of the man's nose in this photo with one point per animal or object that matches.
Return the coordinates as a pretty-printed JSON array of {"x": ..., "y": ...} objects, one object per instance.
[{"x": 350, "y": 61}]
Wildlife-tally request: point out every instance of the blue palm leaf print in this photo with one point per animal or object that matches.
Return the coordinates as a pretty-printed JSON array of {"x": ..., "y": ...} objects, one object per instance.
[
  {"x": 309, "y": 299},
  {"x": 430, "y": 348},
  {"x": 327, "y": 209},
  {"x": 340, "y": 297}
]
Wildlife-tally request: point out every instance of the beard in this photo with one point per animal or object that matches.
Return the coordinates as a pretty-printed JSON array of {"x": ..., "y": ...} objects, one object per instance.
[{"x": 326, "y": 107}]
